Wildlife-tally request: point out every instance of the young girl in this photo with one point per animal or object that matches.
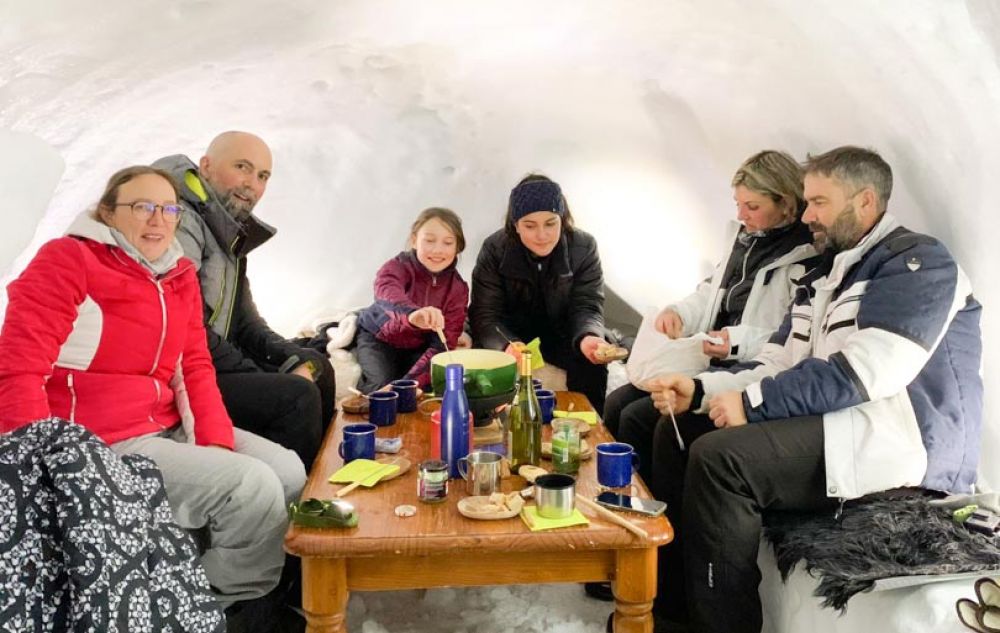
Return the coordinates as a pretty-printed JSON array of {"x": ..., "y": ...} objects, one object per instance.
[{"x": 417, "y": 293}]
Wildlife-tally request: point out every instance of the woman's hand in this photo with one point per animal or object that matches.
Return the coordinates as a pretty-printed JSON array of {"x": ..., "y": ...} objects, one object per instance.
[
  {"x": 428, "y": 318},
  {"x": 717, "y": 351},
  {"x": 514, "y": 349},
  {"x": 670, "y": 323},
  {"x": 588, "y": 347},
  {"x": 464, "y": 341}
]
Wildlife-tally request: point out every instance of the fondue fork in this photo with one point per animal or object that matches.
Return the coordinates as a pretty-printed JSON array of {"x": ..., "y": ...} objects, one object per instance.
[
  {"x": 444, "y": 341},
  {"x": 500, "y": 332}
]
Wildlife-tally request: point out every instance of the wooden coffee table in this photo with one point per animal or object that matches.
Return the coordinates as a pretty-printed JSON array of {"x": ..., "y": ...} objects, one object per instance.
[{"x": 440, "y": 548}]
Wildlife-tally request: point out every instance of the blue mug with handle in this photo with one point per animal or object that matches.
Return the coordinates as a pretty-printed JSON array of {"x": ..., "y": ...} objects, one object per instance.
[
  {"x": 407, "y": 390},
  {"x": 358, "y": 442},
  {"x": 382, "y": 407},
  {"x": 547, "y": 403},
  {"x": 615, "y": 462}
]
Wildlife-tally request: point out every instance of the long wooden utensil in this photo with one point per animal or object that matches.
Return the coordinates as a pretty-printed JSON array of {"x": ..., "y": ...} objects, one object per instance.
[
  {"x": 604, "y": 513},
  {"x": 357, "y": 393},
  {"x": 444, "y": 341}
]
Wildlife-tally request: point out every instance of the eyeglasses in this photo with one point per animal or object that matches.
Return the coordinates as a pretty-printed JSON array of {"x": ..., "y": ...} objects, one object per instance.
[{"x": 145, "y": 210}]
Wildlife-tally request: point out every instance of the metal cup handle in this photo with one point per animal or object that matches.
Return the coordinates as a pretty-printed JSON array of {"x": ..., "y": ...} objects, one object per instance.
[{"x": 464, "y": 472}]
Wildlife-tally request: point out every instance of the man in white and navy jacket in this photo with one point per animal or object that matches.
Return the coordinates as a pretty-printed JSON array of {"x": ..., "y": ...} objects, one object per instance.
[{"x": 872, "y": 382}]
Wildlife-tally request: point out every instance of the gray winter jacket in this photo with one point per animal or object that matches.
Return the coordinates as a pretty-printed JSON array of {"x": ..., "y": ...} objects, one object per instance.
[{"x": 238, "y": 337}]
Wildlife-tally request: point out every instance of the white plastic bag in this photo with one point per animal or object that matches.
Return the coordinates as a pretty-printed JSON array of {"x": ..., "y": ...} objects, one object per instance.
[{"x": 654, "y": 354}]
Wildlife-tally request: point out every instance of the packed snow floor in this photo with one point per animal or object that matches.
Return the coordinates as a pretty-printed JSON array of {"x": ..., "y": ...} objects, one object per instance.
[{"x": 504, "y": 609}]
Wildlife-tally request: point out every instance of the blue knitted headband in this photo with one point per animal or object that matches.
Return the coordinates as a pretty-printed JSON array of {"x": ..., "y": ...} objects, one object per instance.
[{"x": 536, "y": 195}]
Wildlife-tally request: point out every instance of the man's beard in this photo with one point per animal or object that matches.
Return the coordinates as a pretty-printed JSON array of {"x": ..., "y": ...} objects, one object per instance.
[
  {"x": 239, "y": 209},
  {"x": 845, "y": 232}
]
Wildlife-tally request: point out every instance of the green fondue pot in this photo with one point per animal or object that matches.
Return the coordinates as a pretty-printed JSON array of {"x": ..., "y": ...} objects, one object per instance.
[{"x": 487, "y": 372}]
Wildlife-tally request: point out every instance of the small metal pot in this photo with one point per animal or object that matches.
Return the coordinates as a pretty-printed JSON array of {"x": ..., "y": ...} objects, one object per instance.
[{"x": 554, "y": 496}]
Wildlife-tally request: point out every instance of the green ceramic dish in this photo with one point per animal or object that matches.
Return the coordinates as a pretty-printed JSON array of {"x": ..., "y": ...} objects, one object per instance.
[{"x": 487, "y": 372}]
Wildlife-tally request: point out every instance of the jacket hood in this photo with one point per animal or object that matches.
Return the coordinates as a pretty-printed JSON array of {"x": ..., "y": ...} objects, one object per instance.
[
  {"x": 806, "y": 249},
  {"x": 86, "y": 226},
  {"x": 237, "y": 238}
]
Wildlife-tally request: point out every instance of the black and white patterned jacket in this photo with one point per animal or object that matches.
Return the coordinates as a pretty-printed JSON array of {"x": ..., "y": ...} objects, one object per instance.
[{"x": 88, "y": 541}]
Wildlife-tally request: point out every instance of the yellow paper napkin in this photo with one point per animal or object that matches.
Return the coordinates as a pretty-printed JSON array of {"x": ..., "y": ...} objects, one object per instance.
[
  {"x": 368, "y": 471},
  {"x": 535, "y": 347},
  {"x": 589, "y": 416},
  {"x": 537, "y": 523}
]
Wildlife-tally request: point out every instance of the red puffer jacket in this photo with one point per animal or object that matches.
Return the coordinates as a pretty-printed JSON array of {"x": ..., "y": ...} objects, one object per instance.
[{"x": 94, "y": 337}]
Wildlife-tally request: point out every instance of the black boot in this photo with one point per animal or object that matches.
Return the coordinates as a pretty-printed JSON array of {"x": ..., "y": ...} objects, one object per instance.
[
  {"x": 268, "y": 614},
  {"x": 660, "y": 625},
  {"x": 599, "y": 591}
]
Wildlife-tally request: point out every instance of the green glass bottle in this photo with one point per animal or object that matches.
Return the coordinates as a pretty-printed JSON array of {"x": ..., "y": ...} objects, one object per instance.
[{"x": 525, "y": 423}]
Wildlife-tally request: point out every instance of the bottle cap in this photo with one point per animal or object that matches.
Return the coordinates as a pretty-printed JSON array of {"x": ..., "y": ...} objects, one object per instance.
[
  {"x": 525, "y": 363},
  {"x": 454, "y": 373}
]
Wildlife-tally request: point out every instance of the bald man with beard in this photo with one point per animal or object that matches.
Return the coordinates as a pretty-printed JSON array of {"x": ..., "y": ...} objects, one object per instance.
[{"x": 270, "y": 386}]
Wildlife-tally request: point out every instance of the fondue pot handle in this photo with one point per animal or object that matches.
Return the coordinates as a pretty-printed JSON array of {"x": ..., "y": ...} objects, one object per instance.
[{"x": 484, "y": 383}]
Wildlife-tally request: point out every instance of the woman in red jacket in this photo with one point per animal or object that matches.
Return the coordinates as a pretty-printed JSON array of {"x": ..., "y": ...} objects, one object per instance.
[
  {"x": 104, "y": 328},
  {"x": 417, "y": 293}
]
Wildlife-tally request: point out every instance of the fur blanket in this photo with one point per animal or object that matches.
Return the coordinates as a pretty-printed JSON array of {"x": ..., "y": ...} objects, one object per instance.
[{"x": 876, "y": 537}]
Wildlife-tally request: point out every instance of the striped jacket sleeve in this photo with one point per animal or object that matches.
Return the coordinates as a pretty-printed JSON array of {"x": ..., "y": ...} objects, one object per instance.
[{"x": 906, "y": 301}]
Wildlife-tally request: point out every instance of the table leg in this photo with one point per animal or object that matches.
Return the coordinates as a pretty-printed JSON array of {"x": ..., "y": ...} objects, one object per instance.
[
  {"x": 634, "y": 589},
  {"x": 324, "y": 594}
]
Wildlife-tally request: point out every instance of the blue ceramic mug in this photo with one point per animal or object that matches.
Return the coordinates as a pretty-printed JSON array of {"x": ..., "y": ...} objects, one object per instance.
[
  {"x": 615, "y": 461},
  {"x": 407, "y": 390},
  {"x": 358, "y": 442},
  {"x": 547, "y": 403},
  {"x": 382, "y": 407}
]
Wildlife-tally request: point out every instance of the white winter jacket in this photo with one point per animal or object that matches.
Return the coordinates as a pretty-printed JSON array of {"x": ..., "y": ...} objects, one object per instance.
[
  {"x": 772, "y": 292},
  {"x": 886, "y": 346}
]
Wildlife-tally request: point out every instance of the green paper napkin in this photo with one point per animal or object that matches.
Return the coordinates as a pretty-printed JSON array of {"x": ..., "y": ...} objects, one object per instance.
[
  {"x": 368, "y": 471},
  {"x": 537, "y": 523},
  {"x": 590, "y": 417}
]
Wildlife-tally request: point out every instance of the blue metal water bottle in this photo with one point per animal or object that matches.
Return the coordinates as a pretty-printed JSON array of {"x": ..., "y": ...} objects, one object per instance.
[{"x": 454, "y": 419}]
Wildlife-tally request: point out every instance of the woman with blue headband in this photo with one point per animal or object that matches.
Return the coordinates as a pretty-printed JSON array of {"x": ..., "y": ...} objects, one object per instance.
[{"x": 541, "y": 277}]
